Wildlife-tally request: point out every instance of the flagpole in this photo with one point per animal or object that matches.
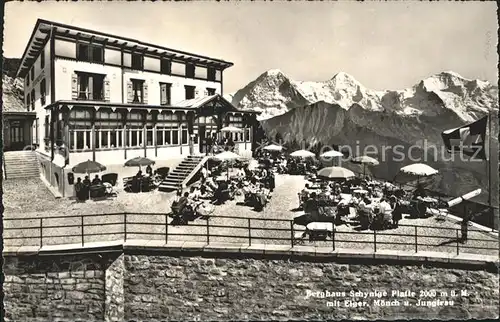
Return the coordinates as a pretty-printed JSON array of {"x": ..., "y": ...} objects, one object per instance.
[{"x": 488, "y": 162}]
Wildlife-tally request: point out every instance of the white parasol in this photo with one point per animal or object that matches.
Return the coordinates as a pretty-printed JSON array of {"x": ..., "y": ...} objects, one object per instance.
[
  {"x": 273, "y": 147},
  {"x": 419, "y": 170},
  {"x": 302, "y": 154},
  {"x": 231, "y": 129}
]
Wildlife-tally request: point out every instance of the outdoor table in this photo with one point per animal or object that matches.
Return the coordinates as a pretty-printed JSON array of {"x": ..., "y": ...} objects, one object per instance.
[
  {"x": 320, "y": 226},
  {"x": 360, "y": 191},
  {"x": 97, "y": 190}
]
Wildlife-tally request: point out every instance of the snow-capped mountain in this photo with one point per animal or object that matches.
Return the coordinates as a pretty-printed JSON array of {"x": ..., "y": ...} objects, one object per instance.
[
  {"x": 341, "y": 111},
  {"x": 274, "y": 93}
]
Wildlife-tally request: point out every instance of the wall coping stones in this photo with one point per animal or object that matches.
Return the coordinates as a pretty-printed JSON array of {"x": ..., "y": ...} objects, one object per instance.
[{"x": 256, "y": 249}]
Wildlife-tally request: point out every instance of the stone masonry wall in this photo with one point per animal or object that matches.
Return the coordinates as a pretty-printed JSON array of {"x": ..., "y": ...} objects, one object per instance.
[
  {"x": 183, "y": 288},
  {"x": 49, "y": 288},
  {"x": 154, "y": 287},
  {"x": 114, "y": 306}
]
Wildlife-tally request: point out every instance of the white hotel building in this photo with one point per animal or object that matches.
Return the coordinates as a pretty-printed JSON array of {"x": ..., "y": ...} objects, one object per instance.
[{"x": 108, "y": 98}]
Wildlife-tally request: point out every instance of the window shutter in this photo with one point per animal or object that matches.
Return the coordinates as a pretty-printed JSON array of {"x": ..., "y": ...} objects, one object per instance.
[
  {"x": 130, "y": 92},
  {"x": 145, "y": 94},
  {"x": 74, "y": 86},
  {"x": 107, "y": 97}
]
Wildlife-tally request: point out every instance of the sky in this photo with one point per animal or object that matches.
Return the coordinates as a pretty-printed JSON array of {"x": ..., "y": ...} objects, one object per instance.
[{"x": 384, "y": 45}]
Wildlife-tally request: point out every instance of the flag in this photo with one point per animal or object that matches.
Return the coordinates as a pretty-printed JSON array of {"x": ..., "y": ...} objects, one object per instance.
[{"x": 468, "y": 139}]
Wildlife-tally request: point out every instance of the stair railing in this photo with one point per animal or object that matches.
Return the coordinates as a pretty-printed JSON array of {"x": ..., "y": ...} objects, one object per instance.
[{"x": 194, "y": 171}]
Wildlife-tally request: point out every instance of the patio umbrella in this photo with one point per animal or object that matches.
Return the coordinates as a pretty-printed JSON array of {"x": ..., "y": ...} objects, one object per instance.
[
  {"x": 231, "y": 129},
  {"x": 336, "y": 173},
  {"x": 332, "y": 154},
  {"x": 88, "y": 167},
  {"x": 226, "y": 156},
  {"x": 139, "y": 162},
  {"x": 273, "y": 147},
  {"x": 302, "y": 154},
  {"x": 418, "y": 170},
  {"x": 365, "y": 160}
]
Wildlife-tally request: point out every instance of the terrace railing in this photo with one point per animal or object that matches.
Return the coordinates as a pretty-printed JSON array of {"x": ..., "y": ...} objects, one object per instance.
[{"x": 85, "y": 229}]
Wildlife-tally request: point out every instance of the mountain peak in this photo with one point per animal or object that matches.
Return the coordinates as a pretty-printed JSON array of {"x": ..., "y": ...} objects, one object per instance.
[
  {"x": 274, "y": 73},
  {"x": 451, "y": 73},
  {"x": 343, "y": 75}
]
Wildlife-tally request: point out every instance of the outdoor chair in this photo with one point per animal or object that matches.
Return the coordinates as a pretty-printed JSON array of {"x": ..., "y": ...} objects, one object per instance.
[
  {"x": 163, "y": 172},
  {"x": 110, "y": 178}
]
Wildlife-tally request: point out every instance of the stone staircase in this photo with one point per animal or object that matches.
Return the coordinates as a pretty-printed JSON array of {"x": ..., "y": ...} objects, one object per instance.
[
  {"x": 185, "y": 171},
  {"x": 20, "y": 164}
]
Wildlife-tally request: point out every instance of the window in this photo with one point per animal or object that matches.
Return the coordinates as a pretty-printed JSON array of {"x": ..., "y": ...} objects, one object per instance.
[
  {"x": 28, "y": 101},
  {"x": 190, "y": 70},
  {"x": 165, "y": 91},
  {"x": 210, "y": 91},
  {"x": 43, "y": 91},
  {"x": 42, "y": 59},
  {"x": 189, "y": 91},
  {"x": 90, "y": 87},
  {"x": 32, "y": 73},
  {"x": 27, "y": 80},
  {"x": 175, "y": 137},
  {"x": 211, "y": 74},
  {"x": 36, "y": 140},
  {"x": 90, "y": 53},
  {"x": 166, "y": 66},
  {"x": 33, "y": 99},
  {"x": 149, "y": 135},
  {"x": 137, "y": 61},
  {"x": 80, "y": 135},
  {"x": 46, "y": 126},
  {"x": 137, "y": 90},
  {"x": 184, "y": 135}
]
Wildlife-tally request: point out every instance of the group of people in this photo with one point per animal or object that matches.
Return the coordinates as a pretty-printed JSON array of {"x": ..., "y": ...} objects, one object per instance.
[
  {"x": 213, "y": 145},
  {"x": 287, "y": 164},
  {"x": 376, "y": 205},
  {"x": 143, "y": 181},
  {"x": 84, "y": 187}
]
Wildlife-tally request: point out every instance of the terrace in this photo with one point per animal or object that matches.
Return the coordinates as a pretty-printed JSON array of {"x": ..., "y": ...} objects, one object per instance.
[{"x": 144, "y": 216}]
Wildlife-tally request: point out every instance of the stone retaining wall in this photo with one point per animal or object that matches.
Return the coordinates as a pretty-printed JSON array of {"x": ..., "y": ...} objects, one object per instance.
[
  {"x": 167, "y": 286},
  {"x": 39, "y": 288},
  {"x": 250, "y": 289}
]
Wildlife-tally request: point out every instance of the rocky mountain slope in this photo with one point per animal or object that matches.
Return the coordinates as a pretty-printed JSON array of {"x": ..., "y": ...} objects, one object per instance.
[
  {"x": 341, "y": 111},
  {"x": 12, "y": 88}
]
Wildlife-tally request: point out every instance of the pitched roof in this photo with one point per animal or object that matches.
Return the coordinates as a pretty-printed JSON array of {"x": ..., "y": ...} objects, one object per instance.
[
  {"x": 42, "y": 30},
  {"x": 195, "y": 102}
]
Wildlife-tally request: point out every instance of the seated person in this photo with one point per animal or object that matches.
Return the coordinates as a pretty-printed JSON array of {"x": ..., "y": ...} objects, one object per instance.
[
  {"x": 96, "y": 180},
  {"x": 211, "y": 185},
  {"x": 307, "y": 190},
  {"x": 311, "y": 205},
  {"x": 194, "y": 194},
  {"x": 183, "y": 203},
  {"x": 139, "y": 174},
  {"x": 149, "y": 170},
  {"x": 419, "y": 192},
  {"x": 386, "y": 210}
]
